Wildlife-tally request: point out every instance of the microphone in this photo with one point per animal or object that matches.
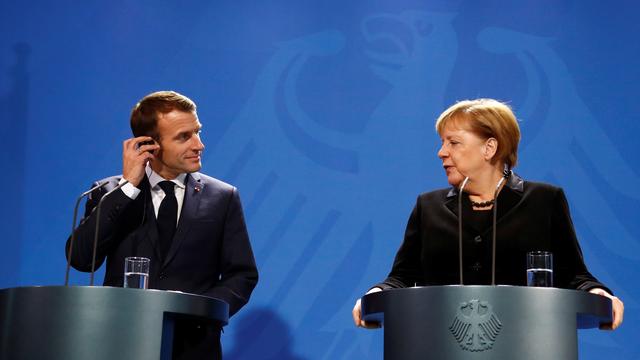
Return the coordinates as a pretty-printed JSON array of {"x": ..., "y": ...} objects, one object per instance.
[
  {"x": 73, "y": 228},
  {"x": 505, "y": 175},
  {"x": 464, "y": 183},
  {"x": 95, "y": 238}
]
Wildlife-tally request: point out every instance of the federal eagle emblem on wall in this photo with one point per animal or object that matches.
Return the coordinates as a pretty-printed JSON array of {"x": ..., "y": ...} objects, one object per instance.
[{"x": 475, "y": 326}]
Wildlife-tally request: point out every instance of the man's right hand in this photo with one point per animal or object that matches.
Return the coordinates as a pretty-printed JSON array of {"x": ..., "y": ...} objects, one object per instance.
[{"x": 135, "y": 158}]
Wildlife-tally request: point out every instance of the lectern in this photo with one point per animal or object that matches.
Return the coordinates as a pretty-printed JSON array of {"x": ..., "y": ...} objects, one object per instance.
[
  {"x": 484, "y": 322},
  {"x": 86, "y": 322}
]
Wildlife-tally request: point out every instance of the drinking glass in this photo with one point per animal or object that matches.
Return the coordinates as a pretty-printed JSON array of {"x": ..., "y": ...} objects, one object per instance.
[
  {"x": 540, "y": 269},
  {"x": 136, "y": 272}
]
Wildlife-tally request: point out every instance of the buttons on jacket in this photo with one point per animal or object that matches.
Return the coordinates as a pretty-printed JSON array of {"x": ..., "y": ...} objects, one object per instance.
[
  {"x": 162, "y": 276},
  {"x": 476, "y": 267}
]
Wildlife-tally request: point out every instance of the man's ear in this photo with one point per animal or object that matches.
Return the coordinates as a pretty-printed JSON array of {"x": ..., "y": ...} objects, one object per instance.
[
  {"x": 490, "y": 148},
  {"x": 157, "y": 151}
]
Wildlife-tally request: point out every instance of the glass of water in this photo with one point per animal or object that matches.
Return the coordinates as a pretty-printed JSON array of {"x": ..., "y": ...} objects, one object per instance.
[
  {"x": 540, "y": 269},
  {"x": 136, "y": 272}
]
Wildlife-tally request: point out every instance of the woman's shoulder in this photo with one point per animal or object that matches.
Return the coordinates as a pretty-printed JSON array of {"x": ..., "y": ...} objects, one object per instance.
[
  {"x": 437, "y": 195},
  {"x": 542, "y": 192},
  {"x": 540, "y": 187}
]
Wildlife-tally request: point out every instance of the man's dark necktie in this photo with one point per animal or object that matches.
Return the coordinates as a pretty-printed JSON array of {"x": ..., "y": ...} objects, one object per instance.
[{"x": 167, "y": 216}]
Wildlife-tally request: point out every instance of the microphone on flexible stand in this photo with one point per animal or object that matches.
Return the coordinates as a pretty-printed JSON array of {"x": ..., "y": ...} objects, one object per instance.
[
  {"x": 506, "y": 174},
  {"x": 95, "y": 238},
  {"x": 73, "y": 228},
  {"x": 464, "y": 183}
]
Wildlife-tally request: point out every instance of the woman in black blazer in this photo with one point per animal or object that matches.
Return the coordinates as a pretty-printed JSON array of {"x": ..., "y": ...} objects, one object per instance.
[{"x": 480, "y": 144}]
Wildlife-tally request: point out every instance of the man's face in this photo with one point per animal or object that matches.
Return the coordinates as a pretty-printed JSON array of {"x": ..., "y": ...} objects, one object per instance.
[{"x": 180, "y": 145}]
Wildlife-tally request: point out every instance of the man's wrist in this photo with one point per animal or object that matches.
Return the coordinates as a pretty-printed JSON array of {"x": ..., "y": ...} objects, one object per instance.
[{"x": 129, "y": 189}]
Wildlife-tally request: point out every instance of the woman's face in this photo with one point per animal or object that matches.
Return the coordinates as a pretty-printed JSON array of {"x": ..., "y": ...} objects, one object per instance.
[{"x": 463, "y": 153}]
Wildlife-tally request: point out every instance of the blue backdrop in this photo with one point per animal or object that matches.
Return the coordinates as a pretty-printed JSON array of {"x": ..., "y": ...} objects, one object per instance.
[{"x": 322, "y": 113}]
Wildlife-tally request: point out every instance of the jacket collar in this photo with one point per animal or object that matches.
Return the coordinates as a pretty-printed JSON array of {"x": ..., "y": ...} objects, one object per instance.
[
  {"x": 507, "y": 200},
  {"x": 514, "y": 182},
  {"x": 192, "y": 195}
]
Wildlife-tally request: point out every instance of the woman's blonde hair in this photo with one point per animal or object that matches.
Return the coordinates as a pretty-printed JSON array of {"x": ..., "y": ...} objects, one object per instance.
[{"x": 487, "y": 118}]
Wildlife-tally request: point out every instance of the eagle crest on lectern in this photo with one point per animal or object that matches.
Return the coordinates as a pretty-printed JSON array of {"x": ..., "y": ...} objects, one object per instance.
[{"x": 475, "y": 326}]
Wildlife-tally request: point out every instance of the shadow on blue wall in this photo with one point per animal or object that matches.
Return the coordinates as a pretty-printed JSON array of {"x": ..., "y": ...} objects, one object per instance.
[
  {"x": 250, "y": 343},
  {"x": 13, "y": 111}
]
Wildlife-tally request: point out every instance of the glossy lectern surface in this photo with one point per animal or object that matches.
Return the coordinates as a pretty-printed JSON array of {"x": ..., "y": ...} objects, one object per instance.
[
  {"x": 484, "y": 322},
  {"x": 82, "y": 322}
]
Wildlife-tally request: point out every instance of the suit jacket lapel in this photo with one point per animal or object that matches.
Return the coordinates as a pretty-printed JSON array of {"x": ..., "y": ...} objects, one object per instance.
[
  {"x": 452, "y": 202},
  {"x": 510, "y": 196},
  {"x": 192, "y": 196},
  {"x": 507, "y": 201}
]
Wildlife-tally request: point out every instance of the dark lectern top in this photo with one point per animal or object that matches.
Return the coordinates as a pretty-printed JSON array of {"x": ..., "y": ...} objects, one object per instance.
[
  {"x": 79, "y": 322},
  {"x": 484, "y": 322}
]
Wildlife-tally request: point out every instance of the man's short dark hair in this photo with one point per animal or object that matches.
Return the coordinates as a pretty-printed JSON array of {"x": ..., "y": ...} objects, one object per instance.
[{"x": 144, "y": 116}]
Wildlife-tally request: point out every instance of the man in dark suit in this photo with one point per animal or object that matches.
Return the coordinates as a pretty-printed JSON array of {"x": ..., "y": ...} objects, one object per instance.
[{"x": 190, "y": 225}]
